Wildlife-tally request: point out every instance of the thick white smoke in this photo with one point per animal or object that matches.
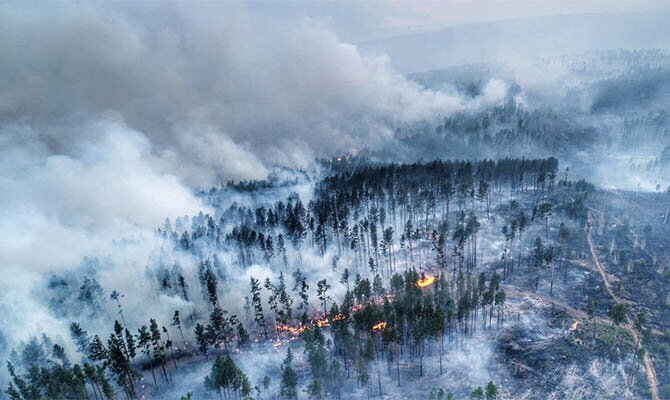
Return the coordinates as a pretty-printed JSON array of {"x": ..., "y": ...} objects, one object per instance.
[
  {"x": 58, "y": 208},
  {"x": 218, "y": 92}
]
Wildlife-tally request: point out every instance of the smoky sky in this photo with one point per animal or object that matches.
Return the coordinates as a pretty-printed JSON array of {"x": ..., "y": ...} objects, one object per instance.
[{"x": 218, "y": 92}]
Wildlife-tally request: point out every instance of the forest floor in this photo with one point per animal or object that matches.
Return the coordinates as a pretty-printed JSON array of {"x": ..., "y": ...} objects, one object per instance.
[
  {"x": 541, "y": 348},
  {"x": 649, "y": 365}
]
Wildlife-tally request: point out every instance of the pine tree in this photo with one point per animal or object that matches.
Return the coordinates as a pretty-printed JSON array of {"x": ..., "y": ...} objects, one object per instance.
[
  {"x": 491, "y": 391},
  {"x": 499, "y": 300},
  {"x": 119, "y": 363},
  {"x": 289, "y": 379},
  {"x": 378, "y": 286},
  {"x": 538, "y": 259},
  {"x": 80, "y": 338},
  {"x": 158, "y": 347},
  {"x": 315, "y": 389},
  {"x": 243, "y": 336},
  {"x": 116, "y": 296},
  {"x": 107, "y": 388},
  {"x": 130, "y": 345},
  {"x": 477, "y": 394},
  {"x": 322, "y": 294},
  {"x": 97, "y": 350},
  {"x": 591, "y": 311},
  {"x": 176, "y": 321},
  {"x": 211, "y": 283},
  {"x": 285, "y": 300},
  {"x": 344, "y": 278},
  {"x": 258, "y": 306},
  {"x": 144, "y": 341},
  {"x": 201, "y": 339},
  {"x": 170, "y": 345}
]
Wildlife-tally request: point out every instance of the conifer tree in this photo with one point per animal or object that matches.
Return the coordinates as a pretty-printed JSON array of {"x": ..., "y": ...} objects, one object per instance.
[
  {"x": 258, "y": 306},
  {"x": 289, "y": 379}
]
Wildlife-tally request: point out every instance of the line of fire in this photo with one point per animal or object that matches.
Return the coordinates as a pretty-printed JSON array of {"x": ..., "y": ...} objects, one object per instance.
[{"x": 288, "y": 333}]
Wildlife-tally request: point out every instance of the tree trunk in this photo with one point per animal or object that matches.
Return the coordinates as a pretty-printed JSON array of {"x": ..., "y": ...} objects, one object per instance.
[
  {"x": 441, "y": 349},
  {"x": 551, "y": 289},
  {"x": 397, "y": 362},
  {"x": 379, "y": 378}
]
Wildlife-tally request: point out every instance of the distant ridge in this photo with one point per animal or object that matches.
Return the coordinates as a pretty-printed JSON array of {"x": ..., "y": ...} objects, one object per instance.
[{"x": 518, "y": 39}]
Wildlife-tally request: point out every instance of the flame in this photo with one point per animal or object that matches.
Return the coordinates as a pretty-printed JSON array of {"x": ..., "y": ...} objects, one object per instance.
[
  {"x": 575, "y": 326},
  {"x": 322, "y": 323},
  {"x": 379, "y": 327},
  {"x": 427, "y": 281},
  {"x": 291, "y": 329}
]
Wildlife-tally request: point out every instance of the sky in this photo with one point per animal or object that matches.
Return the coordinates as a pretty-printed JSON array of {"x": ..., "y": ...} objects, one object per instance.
[{"x": 360, "y": 21}]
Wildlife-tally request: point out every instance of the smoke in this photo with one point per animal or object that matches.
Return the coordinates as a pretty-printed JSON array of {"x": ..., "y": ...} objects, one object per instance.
[
  {"x": 217, "y": 91},
  {"x": 60, "y": 208},
  {"x": 106, "y": 185}
]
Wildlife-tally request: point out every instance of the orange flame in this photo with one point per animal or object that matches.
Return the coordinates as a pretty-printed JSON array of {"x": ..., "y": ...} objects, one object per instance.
[
  {"x": 338, "y": 317},
  {"x": 575, "y": 326},
  {"x": 322, "y": 323},
  {"x": 292, "y": 330},
  {"x": 427, "y": 281},
  {"x": 379, "y": 327}
]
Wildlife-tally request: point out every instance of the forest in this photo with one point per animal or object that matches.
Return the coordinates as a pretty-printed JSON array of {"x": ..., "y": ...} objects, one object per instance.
[
  {"x": 423, "y": 261},
  {"x": 334, "y": 200}
]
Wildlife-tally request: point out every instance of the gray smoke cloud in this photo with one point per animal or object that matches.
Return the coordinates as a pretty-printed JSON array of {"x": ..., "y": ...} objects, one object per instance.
[{"x": 218, "y": 92}]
